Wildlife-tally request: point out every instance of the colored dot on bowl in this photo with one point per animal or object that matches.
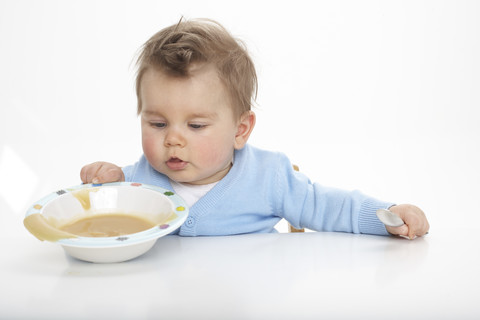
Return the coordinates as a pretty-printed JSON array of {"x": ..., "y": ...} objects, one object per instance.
[
  {"x": 168, "y": 193},
  {"x": 37, "y": 206},
  {"x": 136, "y": 184},
  {"x": 180, "y": 208},
  {"x": 164, "y": 226}
]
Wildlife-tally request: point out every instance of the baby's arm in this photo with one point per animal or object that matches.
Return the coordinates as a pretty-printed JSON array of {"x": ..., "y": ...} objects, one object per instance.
[
  {"x": 101, "y": 172},
  {"x": 416, "y": 223}
]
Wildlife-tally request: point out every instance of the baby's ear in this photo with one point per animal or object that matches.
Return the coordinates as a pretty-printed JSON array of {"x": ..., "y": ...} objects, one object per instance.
[{"x": 245, "y": 127}]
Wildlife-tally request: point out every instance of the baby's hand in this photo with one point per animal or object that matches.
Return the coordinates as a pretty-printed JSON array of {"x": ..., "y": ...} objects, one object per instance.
[
  {"x": 101, "y": 172},
  {"x": 416, "y": 223}
]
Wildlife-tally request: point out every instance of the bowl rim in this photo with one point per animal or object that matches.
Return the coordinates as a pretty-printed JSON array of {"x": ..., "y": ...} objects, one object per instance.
[{"x": 179, "y": 205}]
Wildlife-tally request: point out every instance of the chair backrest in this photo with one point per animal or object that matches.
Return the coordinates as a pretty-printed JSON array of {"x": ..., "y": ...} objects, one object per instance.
[{"x": 290, "y": 227}]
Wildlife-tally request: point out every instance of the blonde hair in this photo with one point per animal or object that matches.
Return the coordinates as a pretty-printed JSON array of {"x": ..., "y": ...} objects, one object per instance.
[{"x": 175, "y": 48}]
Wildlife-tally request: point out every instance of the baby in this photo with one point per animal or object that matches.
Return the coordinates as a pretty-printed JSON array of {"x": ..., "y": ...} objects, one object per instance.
[{"x": 195, "y": 86}]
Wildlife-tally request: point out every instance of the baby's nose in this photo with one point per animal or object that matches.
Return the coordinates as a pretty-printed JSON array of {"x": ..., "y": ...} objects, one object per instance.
[{"x": 174, "y": 137}]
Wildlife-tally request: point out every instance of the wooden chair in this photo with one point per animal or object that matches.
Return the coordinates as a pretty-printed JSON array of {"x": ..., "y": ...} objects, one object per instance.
[{"x": 290, "y": 227}]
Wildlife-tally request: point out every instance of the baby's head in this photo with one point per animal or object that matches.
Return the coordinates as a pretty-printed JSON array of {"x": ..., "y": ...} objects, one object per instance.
[
  {"x": 195, "y": 86},
  {"x": 175, "y": 49}
]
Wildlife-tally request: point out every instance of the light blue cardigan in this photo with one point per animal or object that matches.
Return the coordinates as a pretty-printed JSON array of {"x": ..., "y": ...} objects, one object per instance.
[{"x": 262, "y": 188}]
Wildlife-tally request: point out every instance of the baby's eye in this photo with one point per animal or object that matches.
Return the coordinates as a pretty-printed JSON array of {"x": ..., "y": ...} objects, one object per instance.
[
  {"x": 159, "y": 124},
  {"x": 197, "y": 126}
]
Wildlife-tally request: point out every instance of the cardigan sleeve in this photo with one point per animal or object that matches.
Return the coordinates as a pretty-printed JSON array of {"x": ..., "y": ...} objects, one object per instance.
[{"x": 305, "y": 204}]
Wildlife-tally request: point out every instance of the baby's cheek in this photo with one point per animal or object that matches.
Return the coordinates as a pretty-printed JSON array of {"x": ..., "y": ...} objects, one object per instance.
[
  {"x": 148, "y": 148},
  {"x": 213, "y": 155}
]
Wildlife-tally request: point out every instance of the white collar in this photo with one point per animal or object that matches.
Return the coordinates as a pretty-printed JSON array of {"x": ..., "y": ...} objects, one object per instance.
[{"x": 191, "y": 193}]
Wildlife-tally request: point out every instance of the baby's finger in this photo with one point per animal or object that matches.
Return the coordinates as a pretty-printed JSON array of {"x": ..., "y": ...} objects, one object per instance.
[
  {"x": 412, "y": 233},
  {"x": 417, "y": 225},
  {"x": 418, "y": 230},
  {"x": 109, "y": 175},
  {"x": 89, "y": 172},
  {"x": 398, "y": 231}
]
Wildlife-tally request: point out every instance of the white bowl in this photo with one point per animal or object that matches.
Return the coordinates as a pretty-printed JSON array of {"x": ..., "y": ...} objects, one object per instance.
[{"x": 163, "y": 207}]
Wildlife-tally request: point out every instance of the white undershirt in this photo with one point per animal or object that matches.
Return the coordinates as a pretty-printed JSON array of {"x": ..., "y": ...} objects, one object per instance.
[{"x": 191, "y": 192}]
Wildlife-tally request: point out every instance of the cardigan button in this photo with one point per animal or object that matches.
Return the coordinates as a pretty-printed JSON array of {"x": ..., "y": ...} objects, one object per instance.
[{"x": 190, "y": 222}]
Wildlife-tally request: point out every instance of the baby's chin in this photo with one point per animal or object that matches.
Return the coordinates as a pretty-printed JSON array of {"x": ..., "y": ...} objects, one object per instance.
[
  {"x": 198, "y": 182},
  {"x": 195, "y": 178},
  {"x": 184, "y": 180}
]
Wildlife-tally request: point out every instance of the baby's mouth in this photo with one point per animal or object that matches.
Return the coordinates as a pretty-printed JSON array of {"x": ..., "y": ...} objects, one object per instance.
[{"x": 175, "y": 164}]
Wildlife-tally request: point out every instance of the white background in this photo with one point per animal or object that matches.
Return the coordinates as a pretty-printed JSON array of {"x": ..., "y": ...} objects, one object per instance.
[{"x": 381, "y": 96}]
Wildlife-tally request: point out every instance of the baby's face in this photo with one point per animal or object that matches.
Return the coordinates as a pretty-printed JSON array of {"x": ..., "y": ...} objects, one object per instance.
[{"x": 188, "y": 126}]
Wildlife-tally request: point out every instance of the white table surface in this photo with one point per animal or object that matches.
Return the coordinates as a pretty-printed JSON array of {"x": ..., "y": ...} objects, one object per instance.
[{"x": 259, "y": 276}]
